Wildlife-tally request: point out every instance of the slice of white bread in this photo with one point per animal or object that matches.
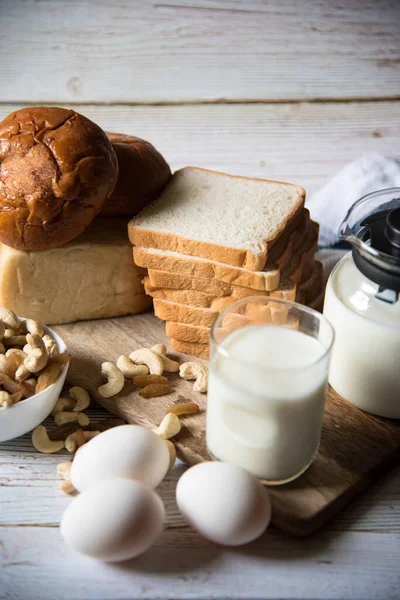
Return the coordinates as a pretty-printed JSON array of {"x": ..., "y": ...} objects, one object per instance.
[
  {"x": 267, "y": 280},
  {"x": 191, "y": 348},
  {"x": 158, "y": 279},
  {"x": 229, "y": 219},
  {"x": 286, "y": 291},
  {"x": 307, "y": 292}
]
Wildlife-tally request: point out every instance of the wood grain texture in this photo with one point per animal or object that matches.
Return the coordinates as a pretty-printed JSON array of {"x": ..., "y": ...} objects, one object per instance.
[
  {"x": 188, "y": 50},
  {"x": 355, "y": 447},
  {"x": 303, "y": 143},
  {"x": 34, "y": 563}
]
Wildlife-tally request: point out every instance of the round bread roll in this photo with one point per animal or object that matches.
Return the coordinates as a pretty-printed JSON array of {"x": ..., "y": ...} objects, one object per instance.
[
  {"x": 57, "y": 170},
  {"x": 143, "y": 174}
]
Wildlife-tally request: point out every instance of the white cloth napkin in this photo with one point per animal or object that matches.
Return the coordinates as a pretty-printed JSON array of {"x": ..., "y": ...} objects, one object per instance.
[{"x": 330, "y": 204}]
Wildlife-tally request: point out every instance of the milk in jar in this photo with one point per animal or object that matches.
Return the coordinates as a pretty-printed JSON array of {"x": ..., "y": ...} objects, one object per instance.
[{"x": 266, "y": 396}]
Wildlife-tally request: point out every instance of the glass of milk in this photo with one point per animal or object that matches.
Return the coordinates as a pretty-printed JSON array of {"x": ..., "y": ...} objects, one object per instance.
[{"x": 269, "y": 363}]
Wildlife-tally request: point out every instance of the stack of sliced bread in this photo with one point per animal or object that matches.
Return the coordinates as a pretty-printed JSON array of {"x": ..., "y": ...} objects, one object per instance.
[{"x": 212, "y": 238}]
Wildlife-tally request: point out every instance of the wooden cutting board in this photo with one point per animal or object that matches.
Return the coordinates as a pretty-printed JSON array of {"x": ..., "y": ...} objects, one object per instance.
[{"x": 355, "y": 448}]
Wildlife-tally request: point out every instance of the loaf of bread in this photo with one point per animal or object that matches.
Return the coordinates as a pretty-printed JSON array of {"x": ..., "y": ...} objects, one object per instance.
[
  {"x": 143, "y": 174},
  {"x": 229, "y": 219},
  {"x": 57, "y": 170},
  {"x": 91, "y": 277}
]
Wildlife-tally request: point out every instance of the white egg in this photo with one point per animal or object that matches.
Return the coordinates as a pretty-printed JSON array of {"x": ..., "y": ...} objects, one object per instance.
[
  {"x": 114, "y": 520},
  {"x": 127, "y": 451},
  {"x": 224, "y": 503}
]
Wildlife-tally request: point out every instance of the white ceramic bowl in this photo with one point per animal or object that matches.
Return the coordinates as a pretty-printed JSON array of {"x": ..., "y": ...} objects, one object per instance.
[{"x": 27, "y": 414}]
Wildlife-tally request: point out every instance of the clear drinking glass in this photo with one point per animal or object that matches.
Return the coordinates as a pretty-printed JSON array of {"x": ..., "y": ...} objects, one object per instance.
[{"x": 269, "y": 363}]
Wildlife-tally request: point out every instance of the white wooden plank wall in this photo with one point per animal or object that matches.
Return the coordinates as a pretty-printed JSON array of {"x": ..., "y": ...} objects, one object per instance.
[
  {"x": 181, "y": 50},
  {"x": 284, "y": 89},
  {"x": 304, "y": 143}
]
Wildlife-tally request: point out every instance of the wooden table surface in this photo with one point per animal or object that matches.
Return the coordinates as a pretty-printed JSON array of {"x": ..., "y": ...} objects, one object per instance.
[{"x": 290, "y": 90}]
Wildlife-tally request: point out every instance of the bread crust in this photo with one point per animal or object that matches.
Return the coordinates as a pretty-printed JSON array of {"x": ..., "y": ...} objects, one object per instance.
[
  {"x": 191, "y": 348},
  {"x": 234, "y": 256},
  {"x": 261, "y": 280},
  {"x": 57, "y": 170}
]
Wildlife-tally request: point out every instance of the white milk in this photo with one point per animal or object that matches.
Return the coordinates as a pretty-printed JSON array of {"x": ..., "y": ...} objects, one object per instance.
[
  {"x": 365, "y": 364},
  {"x": 266, "y": 415}
]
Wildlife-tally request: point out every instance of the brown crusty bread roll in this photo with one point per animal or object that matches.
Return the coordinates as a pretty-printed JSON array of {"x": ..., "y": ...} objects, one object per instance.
[
  {"x": 57, "y": 170},
  {"x": 143, "y": 174}
]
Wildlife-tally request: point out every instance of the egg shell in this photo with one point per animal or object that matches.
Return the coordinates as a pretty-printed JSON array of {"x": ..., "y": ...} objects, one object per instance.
[
  {"x": 114, "y": 520},
  {"x": 224, "y": 503},
  {"x": 127, "y": 451}
]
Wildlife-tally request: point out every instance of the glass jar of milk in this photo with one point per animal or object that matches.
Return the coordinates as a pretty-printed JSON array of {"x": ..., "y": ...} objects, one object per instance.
[
  {"x": 269, "y": 364},
  {"x": 362, "y": 303}
]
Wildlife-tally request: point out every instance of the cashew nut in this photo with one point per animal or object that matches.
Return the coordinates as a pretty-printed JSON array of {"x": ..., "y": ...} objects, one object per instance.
[
  {"x": 192, "y": 370},
  {"x": 51, "y": 345},
  {"x": 36, "y": 359},
  {"x": 8, "y": 333},
  {"x": 78, "y": 438},
  {"x": 5, "y": 399},
  {"x": 115, "y": 383},
  {"x": 42, "y": 442},
  {"x": 172, "y": 454},
  {"x": 67, "y": 487},
  {"x": 31, "y": 326},
  {"x": 28, "y": 387},
  {"x": 148, "y": 357},
  {"x": 75, "y": 440},
  {"x": 160, "y": 348},
  {"x": 129, "y": 368},
  {"x": 169, "y": 426},
  {"x": 9, "y": 384},
  {"x": 69, "y": 417},
  {"x": 15, "y": 340},
  {"x": 81, "y": 397},
  {"x": 64, "y": 469},
  {"x": 9, "y": 318},
  {"x": 63, "y": 404},
  {"x": 47, "y": 377},
  {"x": 170, "y": 366}
]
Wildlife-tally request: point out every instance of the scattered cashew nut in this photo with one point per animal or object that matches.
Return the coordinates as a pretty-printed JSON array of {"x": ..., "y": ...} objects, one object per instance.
[
  {"x": 63, "y": 404},
  {"x": 169, "y": 426},
  {"x": 42, "y": 442},
  {"x": 116, "y": 380},
  {"x": 81, "y": 396},
  {"x": 148, "y": 357},
  {"x": 75, "y": 440},
  {"x": 170, "y": 366},
  {"x": 193, "y": 370},
  {"x": 172, "y": 453},
  {"x": 129, "y": 368},
  {"x": 67, "y": 487},
  {"x": 37, "y": 358},
  {"x": 64, "y": 469},
  {"x": 69, "y": 417}
]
